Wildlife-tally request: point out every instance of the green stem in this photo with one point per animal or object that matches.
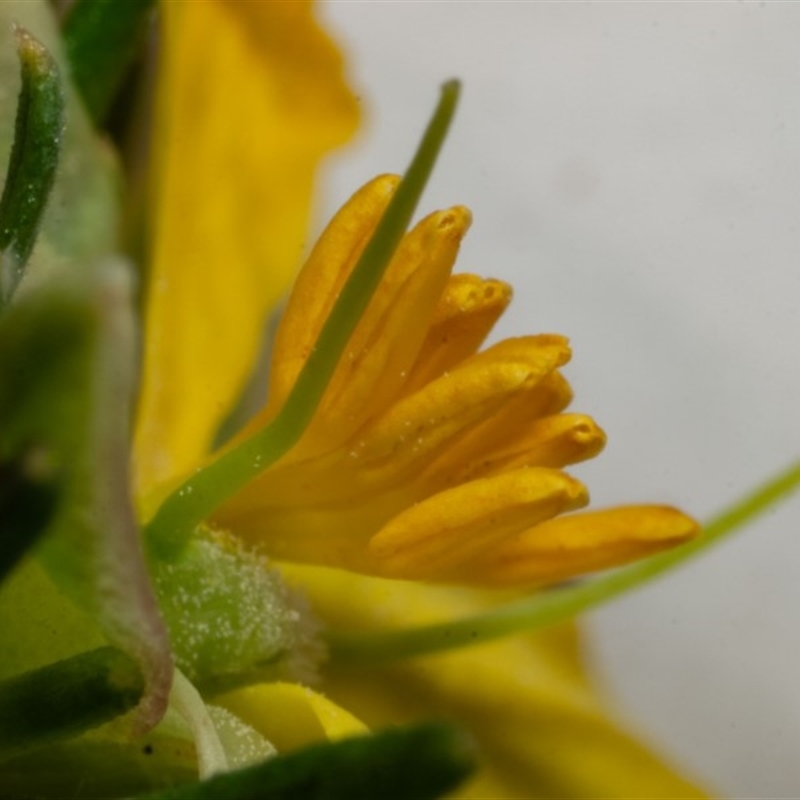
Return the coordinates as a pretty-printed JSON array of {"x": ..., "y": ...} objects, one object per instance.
[
  {"x": 548, "y": 608},
  {"x": 102, "y": 38},
  {"x": 207, "y": 489},
  {"x": 33, "y": 161}
]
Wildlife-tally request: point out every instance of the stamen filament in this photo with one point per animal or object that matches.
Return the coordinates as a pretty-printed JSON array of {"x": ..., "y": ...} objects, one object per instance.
[
  {"x": 549, "y": 608},
  {"x": 205, "y": 491}
]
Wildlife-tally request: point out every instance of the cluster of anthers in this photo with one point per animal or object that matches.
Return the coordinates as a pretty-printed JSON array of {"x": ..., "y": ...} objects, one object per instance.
[{"x": 427, "y": 458}]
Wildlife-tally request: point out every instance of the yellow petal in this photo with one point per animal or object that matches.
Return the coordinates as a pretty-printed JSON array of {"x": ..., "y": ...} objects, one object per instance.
[
  {"x": 290, "y": 716},
  {"x": 251, "y": 96},
  {"x": 495, "y": 435},
  {"x": 387, "y": 339},
  {"x": 580, "y": 543},
  {"x": 554, "y": 441},
  {"x": 413, "y": 431},
  {"x": 432, "y": 539},
  {"x": 467, "y": 311},
  {"x": 319, "y": 283},
  {"x": 445, "y": 408},
  {"x": 542, "y": 729}
]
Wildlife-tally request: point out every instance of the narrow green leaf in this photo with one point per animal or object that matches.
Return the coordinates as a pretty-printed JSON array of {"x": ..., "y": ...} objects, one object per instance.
[
  {"x": 421, "y": 763},
  {"x": 208, "y": 488},
  {"x": 66, "y": 699},
  {"x": 28, "y": 496},
  {"x": 102, "y": 38},
  {"x": 33, "y": 160}
]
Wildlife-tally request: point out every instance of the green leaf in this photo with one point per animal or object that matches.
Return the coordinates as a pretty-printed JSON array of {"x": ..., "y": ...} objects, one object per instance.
[
  {"x": 81, "y": 221},
  {"x": 66, "y": 698},
  {"x": 401, "y": 764},
  {"x": 33, "y": 160},
  {"x": 102, "y": 38}
]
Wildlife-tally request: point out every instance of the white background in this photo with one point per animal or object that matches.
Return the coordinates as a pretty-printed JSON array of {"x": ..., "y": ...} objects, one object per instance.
[{"x": 634, "y": 171}]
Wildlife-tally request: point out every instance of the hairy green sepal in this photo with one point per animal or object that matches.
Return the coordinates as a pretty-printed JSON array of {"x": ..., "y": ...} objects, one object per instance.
[{"x": 232, "y": 619}]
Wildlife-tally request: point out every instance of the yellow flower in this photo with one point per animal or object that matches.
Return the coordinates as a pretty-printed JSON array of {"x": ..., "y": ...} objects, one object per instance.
[{"x": 426, "y": 459}]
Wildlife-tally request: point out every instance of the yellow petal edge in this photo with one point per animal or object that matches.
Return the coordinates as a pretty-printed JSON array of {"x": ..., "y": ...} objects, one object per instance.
[{"x": 240, "y": 130}]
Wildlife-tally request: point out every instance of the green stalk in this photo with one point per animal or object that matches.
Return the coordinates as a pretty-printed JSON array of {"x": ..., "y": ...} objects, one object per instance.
[
  {"x": 207, "y": 489},
  {"x": 549, "y": 608}
]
